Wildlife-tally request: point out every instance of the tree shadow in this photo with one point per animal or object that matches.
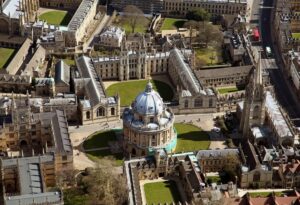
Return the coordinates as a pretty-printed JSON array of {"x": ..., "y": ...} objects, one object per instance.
[{"x": 179, "y": 23}]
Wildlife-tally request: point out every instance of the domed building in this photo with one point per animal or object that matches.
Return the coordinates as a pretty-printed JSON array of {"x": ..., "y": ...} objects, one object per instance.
[{"x": 148, "y": 125}]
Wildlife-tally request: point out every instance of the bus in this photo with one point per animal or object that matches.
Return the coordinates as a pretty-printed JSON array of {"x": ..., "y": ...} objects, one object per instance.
[{"x": 268, "y": 51}]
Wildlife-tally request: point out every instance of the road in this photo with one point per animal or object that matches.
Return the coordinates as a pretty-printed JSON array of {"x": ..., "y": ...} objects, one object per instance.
[{"x": 283, "y": 89}]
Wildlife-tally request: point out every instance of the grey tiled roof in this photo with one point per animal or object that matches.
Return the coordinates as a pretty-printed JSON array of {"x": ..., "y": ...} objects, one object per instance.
[{"x": 62, "y": 73}]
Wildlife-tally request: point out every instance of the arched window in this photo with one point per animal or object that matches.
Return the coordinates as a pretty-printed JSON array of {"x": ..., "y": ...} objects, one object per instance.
[
  {"x": 186, "y": 104},
  {"x": 256, "y": 112},
  {"x": 198, "y": 102},
  {"x": 112, "y": 111},
  {"x": 88, "y": 115},
  {"x": 100, "y": 112}
]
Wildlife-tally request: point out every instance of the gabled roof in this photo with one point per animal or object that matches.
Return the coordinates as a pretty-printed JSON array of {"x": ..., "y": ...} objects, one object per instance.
[{"x": 62, "y": 72}]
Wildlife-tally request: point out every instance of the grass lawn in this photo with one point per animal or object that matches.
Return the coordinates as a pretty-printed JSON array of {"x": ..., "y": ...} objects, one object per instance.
[
  {"x": 227, "y": 90},
  {"x": 140, "y": 28},
  {"x": 172, "y": 23},
  {"x": 56, "y": 17},
  {"x": 214, "y": 179},
  {"x": 69, "y": 61},
  {"x": 161, "y": 192},
  {"x": 75, "y": 196},
  {"x": 296, "y": 35},
  {"x": 209, "y": 56},
  {"x": 6, "y": 55},
  {"x": 99, "y": 139},
  {"x": 263, "y": 194},
  {"x": 130, "y": 89},
  {"x": 99, "y": 154},
  {"x": 190, "y": 138}
]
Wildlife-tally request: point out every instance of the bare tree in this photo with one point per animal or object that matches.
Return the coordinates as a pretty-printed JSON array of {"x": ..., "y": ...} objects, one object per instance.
[
  {"x": 133, "y": 16},
  {"x": 210, "y": 33},
  {"x": 106, "y": 186}
]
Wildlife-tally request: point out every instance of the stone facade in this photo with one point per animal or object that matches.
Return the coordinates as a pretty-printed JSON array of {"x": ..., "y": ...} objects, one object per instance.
[
  {"x": 61, "y": 4},
  {"x": 180, "y": 7}
]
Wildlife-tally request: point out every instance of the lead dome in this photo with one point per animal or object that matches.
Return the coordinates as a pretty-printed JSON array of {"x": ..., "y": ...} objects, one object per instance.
[{"x": 148, "y": 102}]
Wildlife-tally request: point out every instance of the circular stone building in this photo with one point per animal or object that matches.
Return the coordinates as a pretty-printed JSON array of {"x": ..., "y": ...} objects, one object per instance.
[{"x": 148, "y": 125}]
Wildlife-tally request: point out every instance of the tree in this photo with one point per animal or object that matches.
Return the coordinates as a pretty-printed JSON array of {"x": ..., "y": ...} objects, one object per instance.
[
  {"x": 104, "y": 186},
  {"x": 198, "y": 15},
  {"x": 210, "y": 34},
  {"x": 133, "y": 16}
]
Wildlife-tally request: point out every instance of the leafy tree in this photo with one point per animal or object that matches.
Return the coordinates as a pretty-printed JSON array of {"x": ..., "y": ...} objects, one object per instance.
[
  {"x": 198, "y": 15},
  {"x": 133, "y": 16},
  {"x": 210, "y": 34}
]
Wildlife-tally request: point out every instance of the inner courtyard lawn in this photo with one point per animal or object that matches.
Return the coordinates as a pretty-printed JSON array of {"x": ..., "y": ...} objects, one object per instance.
[
  {"x": 172, "y": 23},
  {"x": 161, "y": 192},
  {"x": 190, "y": 138},
  {"x": 227, "y": 90},
  {"x": 130, "y": 89},
  {"x": 99, "y": 140},
  {"x": 57, "y": 17},
  {"x": 296, "y": 35},
  {"x": 5, "y": 55},
  {"x": 209, "y": 56}
]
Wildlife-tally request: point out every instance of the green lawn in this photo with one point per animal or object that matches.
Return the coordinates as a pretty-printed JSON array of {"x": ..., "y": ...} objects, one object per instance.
[
  {"x": 209, "y": 56},
  {"x": 161, "y": 192},
  {"x": 99, "y": 154},
  {"x": 190, "y": 138},
  {"x": 129, "y": 90},
  {"x": 227, "y": 90},
  {"x": 213, "y": 179},
  {"x": 69, "y": 61},
  {"x": 263, "y": 194},
  {"x": 75, "y": 196},
  {"x": 6, "y": 55},
  {"x": 99, "y": 139},
  {"x": 56, "y": 17},
  {"x": 172, "y": 23},
  {"x": 296, "y": 35},
  {"x": 140, "y": 28}
]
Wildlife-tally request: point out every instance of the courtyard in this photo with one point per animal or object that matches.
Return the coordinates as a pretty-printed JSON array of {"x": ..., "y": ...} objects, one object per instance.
[
  {"x": 129, "y": 90},
  {"x": 161, "y": 192},
  {"x": 140, "y": 28},
  {"x": 172, "y": 23},
  {"x": 56, "y": 17},
  {"x": 209, "y": 56},
  {"x": 190, "y": 138},
  {"x": 6, "y": 55}
]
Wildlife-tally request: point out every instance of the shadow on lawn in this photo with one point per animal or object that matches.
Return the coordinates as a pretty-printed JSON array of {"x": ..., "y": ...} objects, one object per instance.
[
  {"x": 65, "y": 21},
  {"x": 179, "y": 24},
  {"x": 174, "y": 190},
  {"x": 195, "y": 136}
]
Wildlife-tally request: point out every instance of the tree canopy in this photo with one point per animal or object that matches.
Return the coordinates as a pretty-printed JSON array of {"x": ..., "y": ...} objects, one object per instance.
[
  {"x": 198, "y": 15},
  {"x": 133, "y": 16}
]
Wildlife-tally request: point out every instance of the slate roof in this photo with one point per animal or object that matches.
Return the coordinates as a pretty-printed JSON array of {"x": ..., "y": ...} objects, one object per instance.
[{"x": 62, "y": 73}]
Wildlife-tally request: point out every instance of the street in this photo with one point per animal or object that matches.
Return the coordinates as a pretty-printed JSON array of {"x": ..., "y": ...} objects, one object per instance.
[{"x": 283, "y": 91}]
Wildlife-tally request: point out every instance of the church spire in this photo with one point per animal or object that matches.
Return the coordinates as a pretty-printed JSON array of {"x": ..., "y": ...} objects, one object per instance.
[{"x": 258, "y": 73}]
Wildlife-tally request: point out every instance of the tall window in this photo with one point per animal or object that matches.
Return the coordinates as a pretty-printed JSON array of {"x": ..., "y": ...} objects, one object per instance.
[
  {"x": 186, "y": 104},
  {"x": 198, "y": 102},
  {"x": 256, "y": 112},
  {"x": 210, "y": 103},
  {"x": 88, "y": 115},
  {"x": 112, "y": 111},
  {"x": 100, "y": 112}
]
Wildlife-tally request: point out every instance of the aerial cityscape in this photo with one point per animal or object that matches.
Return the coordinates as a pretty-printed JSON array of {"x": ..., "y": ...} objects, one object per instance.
[{"x": 158, "y": 102}]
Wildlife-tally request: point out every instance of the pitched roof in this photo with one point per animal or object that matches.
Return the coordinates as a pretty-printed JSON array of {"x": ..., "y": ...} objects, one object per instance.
[{"x": 62, "y": 72}]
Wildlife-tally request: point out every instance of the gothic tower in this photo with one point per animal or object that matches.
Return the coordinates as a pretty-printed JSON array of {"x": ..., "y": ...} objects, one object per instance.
[{"x": 254, "y": 103}]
